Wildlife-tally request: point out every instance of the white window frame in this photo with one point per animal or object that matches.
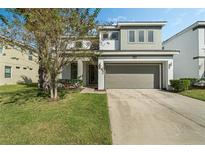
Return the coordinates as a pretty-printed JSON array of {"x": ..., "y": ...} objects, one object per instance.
[
  {"x": 5, "y": 72},
  {"x": 204, "y": 38},
  {"x": 152, "y": 36},
  {"x": 30, "y": 55},
  {"x": 117, "y": 35},
  {"x": 81, "y": 43},
  {"x": 3, "y": 48},
  {"x": 139, "y": 36},
  {"x": 129, "y": 36},
  {"x": 106, "y": 38}
]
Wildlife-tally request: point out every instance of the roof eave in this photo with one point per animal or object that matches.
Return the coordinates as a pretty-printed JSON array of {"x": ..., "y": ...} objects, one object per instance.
[
  {"x": 159, "y": 53},
  {"x": 161, "y": 24}
]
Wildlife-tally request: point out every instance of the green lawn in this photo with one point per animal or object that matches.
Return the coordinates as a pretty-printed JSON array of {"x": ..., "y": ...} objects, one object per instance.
[
  {"x": 195, "y": 93},
  {"x": 26, "y": 118}
]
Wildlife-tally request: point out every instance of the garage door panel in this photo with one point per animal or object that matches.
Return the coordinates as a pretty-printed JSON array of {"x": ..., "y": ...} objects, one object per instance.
[{"x": 132, "y": 76}]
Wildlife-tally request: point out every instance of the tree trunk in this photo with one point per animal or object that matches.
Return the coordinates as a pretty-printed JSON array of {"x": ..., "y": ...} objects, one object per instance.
[
  {"x": 42, "y": 82},
  {"x": 40, "y": 77},
  {"x": 51, "y": 93},
  {"x": 55, "y": 93},
  {"x": 53, "y": 90}
]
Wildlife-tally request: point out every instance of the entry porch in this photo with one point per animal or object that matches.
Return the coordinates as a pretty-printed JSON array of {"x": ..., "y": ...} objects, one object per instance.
[{"x": 82, "y": 69}]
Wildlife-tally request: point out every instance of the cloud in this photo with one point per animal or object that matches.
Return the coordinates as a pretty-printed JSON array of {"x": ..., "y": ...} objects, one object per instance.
[
  {"x": 199, "y": 12},
  {"x": 116, "y": 19}
]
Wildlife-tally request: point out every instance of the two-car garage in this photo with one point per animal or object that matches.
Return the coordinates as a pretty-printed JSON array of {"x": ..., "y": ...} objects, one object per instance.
[{"x": 132, "y": 76}]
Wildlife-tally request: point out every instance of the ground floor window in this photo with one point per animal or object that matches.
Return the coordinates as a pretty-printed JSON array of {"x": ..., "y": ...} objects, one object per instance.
[
  {"x": 74, "y": 70},
  {"x": 7, "y": 72},
  {"x": 1, "y": 49}
]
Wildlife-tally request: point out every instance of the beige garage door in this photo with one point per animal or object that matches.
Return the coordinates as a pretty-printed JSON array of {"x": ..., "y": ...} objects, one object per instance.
[{"x": 131, "y": 76}]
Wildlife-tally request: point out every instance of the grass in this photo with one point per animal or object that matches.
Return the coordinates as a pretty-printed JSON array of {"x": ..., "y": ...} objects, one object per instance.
[
  {"x": 29, "y": 118},
  {"x": 195, "y": 93}
]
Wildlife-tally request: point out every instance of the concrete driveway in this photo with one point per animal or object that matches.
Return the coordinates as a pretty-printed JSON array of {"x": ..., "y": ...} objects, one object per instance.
[{"x": 140, "y": 116}]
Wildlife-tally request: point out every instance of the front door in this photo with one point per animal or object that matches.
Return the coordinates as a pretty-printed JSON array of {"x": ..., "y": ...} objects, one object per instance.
[{"x": 93, "y": 74}]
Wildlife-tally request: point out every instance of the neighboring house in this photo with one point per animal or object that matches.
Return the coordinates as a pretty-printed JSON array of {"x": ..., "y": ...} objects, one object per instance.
[
  {"x": 130, "y": 56},
  {"x": 17, "y": 66},
  {"x": 190, "y": 63}
]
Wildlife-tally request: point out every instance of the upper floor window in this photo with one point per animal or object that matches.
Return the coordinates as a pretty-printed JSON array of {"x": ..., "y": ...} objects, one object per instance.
[
  {"x": 204, "y": 35},
  {"x": 114, "y": 36},
  {"x": 105, "y": 36},
  {"x": 131, "y": 36},
  {"x": 150, "y": 36},
  {"x": 141, "y": 36},
  {"x": 78, "y": 44},
  {"x": 1, "y": 49},
  {"x": 30, "y": 57},
  {"x": 7, "y": 72}
]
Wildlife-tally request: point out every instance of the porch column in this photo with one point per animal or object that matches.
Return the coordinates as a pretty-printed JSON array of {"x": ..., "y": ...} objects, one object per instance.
[
  {"x": 80, "y": 69},
  {"x": 170, "y": 75},
  {"x": 101, "y": 74}
]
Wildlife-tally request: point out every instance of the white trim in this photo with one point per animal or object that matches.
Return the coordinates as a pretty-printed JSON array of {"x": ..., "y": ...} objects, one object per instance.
[
  {"x": 128, "y": 34},
  {"x": 119, "y": 24},
  {"x": 139, "y": 53},
  {"x": 143, "y": 36},
  {"x": 107, "y": 27},
  {"x": 141, "y": 24},
  {"x": 11, "y": 71},
  {"x": 142, "y": 64},
  {"x": 105, "y": 33},
  {"x": 167, "y": 72},
  {"x": 135, "y": 60},
  {"x": 148, "y": 36},
  {"x": 160, "y": 76},
  {"x": 3, "y": 49},
  {"x": 80, "y": 69},
  {"x": 118, "y": 37}
]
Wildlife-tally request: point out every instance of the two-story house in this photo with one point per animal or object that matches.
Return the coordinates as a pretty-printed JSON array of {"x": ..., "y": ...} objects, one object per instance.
[
  {"x": 191, "y": 43},
  {"x": 130, "y": 55},
  {"x": 17, "y": 66}
]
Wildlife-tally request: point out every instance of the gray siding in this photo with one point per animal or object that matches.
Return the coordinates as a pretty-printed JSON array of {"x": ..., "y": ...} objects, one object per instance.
[
  {"x": 184, "y": 64},
  {"x": 126, "y": 45}
]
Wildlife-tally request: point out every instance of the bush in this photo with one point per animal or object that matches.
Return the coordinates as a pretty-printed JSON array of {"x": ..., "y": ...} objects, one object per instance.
[
  {"x": 199, "y": 83},
  {"x": 76, "y": 82},
  {"x": 192, "y": 80},
  {"x": 180, "y": 85},
  {"x": 63, "y": 81},
  {"x": 70, "y": 83},
  {"x": 186, "y": 84},
  {"x": 175, "y": 84}
]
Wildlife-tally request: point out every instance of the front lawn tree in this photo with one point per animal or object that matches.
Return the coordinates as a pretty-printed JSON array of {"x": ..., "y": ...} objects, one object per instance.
[{"x": 49, "y": 32}]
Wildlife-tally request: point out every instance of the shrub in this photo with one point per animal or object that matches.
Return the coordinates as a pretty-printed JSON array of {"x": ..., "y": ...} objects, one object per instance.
[
  {"x": 70, "y": 83},
  {"x": 175, "y": 84},
  {"x": 202, "y": 79},
  {"x": 180, "y": 85},
  {"x": 192, "y": 80},
  {"x": 63, "y": 81},
  {"x": 185, "y": 84},
  {"x": 76, "y": 82},
  {"x": 200, "y": 83}
]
